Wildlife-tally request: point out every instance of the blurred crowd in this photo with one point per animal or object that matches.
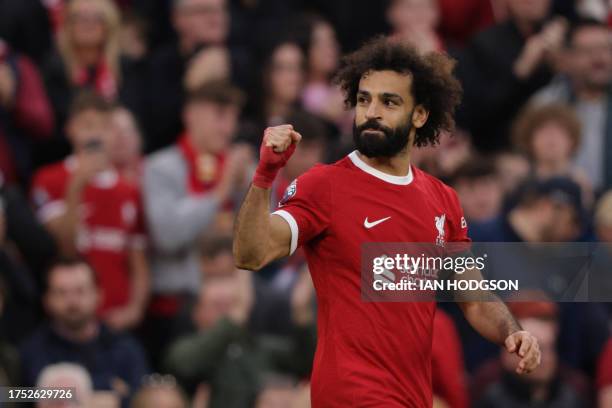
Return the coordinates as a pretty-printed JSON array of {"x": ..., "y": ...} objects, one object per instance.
[{"x": 129, "y": 131}]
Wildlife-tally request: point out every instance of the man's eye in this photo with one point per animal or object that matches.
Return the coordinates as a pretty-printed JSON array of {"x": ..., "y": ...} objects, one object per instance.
[
  {"x": 361, "y": 99},
  {"x": 390, "y": 103}
]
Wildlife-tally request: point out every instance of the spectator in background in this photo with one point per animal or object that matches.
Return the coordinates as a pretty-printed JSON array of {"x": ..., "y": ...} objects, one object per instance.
[
  {"x": 133, "y": 36},
  {"x": 585, "y": 82},
  {"x": 25, "y": 25},
  {"x": 187, "y": 189},
  {"x": 447, "y": 369},
  {"x": 550, "y": 135},
  {"x": 461, "y": 19},
  {"x": 319, "y": 95},
  {"x": 512, "y": 168},
  {"x": 91, "y": 210},
  {"x": 25, "y": 114},
  {"x": 225, "y": 354},
  {"x": 159, "y": 392},
  {"x": 480, "y": 193},
  {"x": 209, "y": 64},
  {"x": 414, "y": 22},
  {"x": 503, "y": 66},
  {"x": 552, "y": 384},
  {"x": 277, "y": 94},
  {"x": 25, "y": 250},
  {"x": 126, "y": 150},
  {"x": 74, "y": 334},
  {"x": 199, "y": 24},
  {"x": 603, "y": 218},
  {"x": 604, "y": 378},
  {"x": 541, "y": 211},
  {"x": 68, "y": 375},
  {"x": 88, "y": 56},
  {"x": 442, "y": 160},
  {"x": 313, "y": 149},
  {"x": 9, "y": 358}
]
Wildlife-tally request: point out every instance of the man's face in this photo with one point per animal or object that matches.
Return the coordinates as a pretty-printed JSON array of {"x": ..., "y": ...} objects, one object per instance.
[
  {"x": 72, "y": 297},
  {"x": 286, "y": 73},
  {"x": 202, "y": 21},
  {"x": 217, "y": 297},
  {"x": 589, "y": 58},
  {"x": 413, "y": 15},
  {"x": 90, "y": 125},
  {"x": 559, "y": 221},
  {"x": 211, "y": 125},
  {"x": 551, "y": 143},
  {"x": 529, "y": 10},
  {"x": 481, "y": 198},
  {"x": 383, "y": 114}
]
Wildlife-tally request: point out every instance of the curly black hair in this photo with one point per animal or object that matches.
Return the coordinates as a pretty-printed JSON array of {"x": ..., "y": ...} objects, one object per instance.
[{"x": 433, "y": 84}]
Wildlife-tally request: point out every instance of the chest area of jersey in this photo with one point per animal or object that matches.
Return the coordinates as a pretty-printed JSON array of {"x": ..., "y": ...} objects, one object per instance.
[
  {"x": 402, "y": 216},
  {"x": 108, "y": 209}
]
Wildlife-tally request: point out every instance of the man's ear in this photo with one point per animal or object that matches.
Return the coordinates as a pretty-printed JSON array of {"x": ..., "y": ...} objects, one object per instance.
[{"x": 419, "y": 117}]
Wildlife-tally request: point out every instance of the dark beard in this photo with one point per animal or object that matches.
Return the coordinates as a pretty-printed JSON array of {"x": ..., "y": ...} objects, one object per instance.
[{"x": 393, "y": 142}]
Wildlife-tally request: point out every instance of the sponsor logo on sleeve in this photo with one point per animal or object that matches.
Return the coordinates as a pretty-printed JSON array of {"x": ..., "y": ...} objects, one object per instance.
[{"x": 289, "y": 192}]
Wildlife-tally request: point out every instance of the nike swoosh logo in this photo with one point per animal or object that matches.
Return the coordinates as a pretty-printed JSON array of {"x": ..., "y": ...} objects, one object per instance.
[{"x": 369, "y": 225}]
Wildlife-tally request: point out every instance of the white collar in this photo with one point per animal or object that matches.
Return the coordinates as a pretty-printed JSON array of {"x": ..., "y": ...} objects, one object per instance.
[{"x": 399, "y": 180}]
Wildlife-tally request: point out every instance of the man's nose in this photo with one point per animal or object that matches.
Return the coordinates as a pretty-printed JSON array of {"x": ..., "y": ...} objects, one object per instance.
[{"x": 373, "y": 111}]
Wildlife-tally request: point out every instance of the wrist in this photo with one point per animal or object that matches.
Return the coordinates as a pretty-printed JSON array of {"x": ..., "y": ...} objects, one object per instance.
[{"x": 264, "y": 176}]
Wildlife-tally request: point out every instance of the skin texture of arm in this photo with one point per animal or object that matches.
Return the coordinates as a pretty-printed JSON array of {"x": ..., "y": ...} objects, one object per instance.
[
  {"x": 490, "y": 317},
  {"x": 259, "y": 237}
]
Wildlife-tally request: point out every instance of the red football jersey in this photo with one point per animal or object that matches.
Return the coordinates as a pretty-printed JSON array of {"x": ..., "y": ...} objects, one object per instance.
[
  {"x": 111, "y": 223},
  {"x": 368, "y": 354}
]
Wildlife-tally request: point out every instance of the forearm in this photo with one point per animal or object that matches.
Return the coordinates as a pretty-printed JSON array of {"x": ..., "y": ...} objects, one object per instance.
[
  {"x": 490, "y": 318},
  {"x": 252, "y": 229},
  {"x": 140, "y": 282}
]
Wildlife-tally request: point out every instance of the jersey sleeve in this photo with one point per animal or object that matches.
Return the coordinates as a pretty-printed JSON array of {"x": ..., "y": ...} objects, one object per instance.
[
  {"x": 47, "y": 195},
  {"x": 458, "y": 226},
  {"x": 306, "y": 206},
  {"x": 459, "y": 243}
]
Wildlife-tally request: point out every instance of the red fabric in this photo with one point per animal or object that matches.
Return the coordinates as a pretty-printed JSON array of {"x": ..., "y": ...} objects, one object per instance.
[
  {"x": 375, "y": 354},
  {"x": 270, "y": 164},
  {"x": 604, "y": 367},
  {"x": 32, "y": 110},
  {"x": 112, "y": 224},
  {"x": 199, "y": 181},
  {"x": 7, "y": 165},
  {"x": 448, "y": 377},
  {"x": 460, "y": 19},
  {"x": 102, "y": 79}
]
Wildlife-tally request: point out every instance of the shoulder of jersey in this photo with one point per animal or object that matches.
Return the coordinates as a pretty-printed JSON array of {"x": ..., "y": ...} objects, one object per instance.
[
  {"x": 51, "y": 171},
  {"x": 433, "y": 181}
]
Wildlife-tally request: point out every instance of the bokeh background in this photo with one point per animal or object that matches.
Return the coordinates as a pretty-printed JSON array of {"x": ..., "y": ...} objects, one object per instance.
[{"x": 129, "y": 131}]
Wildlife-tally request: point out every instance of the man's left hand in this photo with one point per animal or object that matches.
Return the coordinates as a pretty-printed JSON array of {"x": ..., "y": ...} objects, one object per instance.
[{"x": 525, "y": 345}]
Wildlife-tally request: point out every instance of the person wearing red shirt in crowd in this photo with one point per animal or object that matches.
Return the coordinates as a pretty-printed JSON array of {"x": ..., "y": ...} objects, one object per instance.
[
  {"x": 375, "y": 354},
  {"x": 91, "y": 210},
  {"x": 447, "y": 370}
]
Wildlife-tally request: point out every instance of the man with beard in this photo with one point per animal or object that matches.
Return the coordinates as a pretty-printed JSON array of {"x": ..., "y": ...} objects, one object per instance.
[
  {"x": 375, "y": 354},
  {"x": 74, "y": 334}
]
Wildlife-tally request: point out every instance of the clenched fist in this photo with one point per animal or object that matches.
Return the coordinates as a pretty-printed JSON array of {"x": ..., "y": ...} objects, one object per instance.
[
  {"x": 525, "y": 345},
  {"x": 277, "y": 146}
]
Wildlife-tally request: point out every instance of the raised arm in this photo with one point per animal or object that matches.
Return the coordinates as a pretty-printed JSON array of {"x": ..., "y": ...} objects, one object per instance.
[{"x": 259, "y": 237}]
